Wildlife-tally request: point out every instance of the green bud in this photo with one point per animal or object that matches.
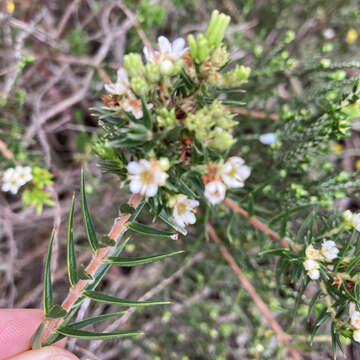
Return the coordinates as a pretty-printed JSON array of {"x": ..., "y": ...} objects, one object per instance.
[
  {"x": 325, "y": 63},
  {"x": 166, "y": 117},
  {"x": 290, "y": 63},
  {"x": 193, "y": 46},
  {"x": 203, "y": 48},
  {"x": 338, "y": 75},
  {"x": 216, "y": 29},
  {"x": 139, "y": 85},
  {"x": 242, "y": 73},
  {"x": 289, "y": 37},
  {"x": 258, "y": 50},
  {"x": 152, "y": 72},
  {"x": 327, "y": 47},
  {"x": 133, "y": 64}
]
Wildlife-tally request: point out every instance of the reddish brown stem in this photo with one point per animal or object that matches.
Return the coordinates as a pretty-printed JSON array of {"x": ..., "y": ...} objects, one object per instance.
[
  {"x": 282, "y": 336},
  {"x": 256, "y": 223},
  {"x": 118, "y": 228}
]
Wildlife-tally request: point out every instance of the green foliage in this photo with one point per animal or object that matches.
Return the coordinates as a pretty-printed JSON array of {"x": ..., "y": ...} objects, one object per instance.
[{"x": 78, "y": 42}]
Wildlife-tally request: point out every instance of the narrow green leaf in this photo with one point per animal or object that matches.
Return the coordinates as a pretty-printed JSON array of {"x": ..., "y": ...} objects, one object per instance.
[
  {"x": 149, "y": 231},
  {"x": 170, "y": 221},
  {"x": 322, "y": 317},
  {"x": 71, "y": 255},
  {"x": 93, "y": 320},
  {"x": 56, "y": 312},
  {"x": 36, "y": 339},
  {"x": 89, "y": 227},
  {"x": 47, "y": 292},
  {"x": 107, "y": 299},
  {"x": 146, "y": 116},
  {"x": 88, "y": 335},
  {"x": 121, "y": 261}
]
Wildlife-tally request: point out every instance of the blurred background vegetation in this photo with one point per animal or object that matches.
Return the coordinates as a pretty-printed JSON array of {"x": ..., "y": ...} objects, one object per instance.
[{"x": 55, "y": 57}]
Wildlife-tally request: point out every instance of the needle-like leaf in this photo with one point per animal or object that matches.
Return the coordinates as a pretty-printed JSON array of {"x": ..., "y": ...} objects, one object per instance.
[
  {"x": 89, "y": 227},
  {"x": 71, "y": 255},
  {"x": 47, "y": 292},
  {"x": 107, "y": 299},
  {"x": 121, "y": 261},
  {"x": 88, "y": 335}
]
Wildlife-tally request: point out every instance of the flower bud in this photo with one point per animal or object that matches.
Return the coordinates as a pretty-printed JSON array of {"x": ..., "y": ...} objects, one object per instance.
[
  {"x": 166, "y": 67},
  {"x": 139, "y": 85},
  {"x": 166, "y": 117},
  {"x": 152, "y": 72},
  {"x": 193, "y": 46},
  {"x": 133, "y": 64}
]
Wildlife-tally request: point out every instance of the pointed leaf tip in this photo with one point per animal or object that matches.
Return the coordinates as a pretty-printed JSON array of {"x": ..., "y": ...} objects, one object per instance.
[
  {"x": 71, "y": 255},
  {"x": 47, "y": 291},
  {"x": 89, "y": 227}
]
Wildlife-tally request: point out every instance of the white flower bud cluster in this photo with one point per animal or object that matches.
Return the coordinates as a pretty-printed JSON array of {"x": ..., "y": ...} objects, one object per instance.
[
  {"x": 328, "y": 253},
  {"x": 233, "y": 175},
  {"x": 355, "y": 321},
  {"x": 352, "y": 220},
  {"x": 14, "y": 178}
]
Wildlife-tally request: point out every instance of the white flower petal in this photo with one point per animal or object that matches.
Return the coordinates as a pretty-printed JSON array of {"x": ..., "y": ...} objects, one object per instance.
[
  {"x": 314, "y": 274},
  {"x": 164, "y": 44},
  {"x": 122, "y": 76},
  {"x": 189, "y": 217},
  {"x": 268, "y": 139},
  {"x": 151, "y": 190},
  {"x": 135, "y": 186},
  {"x": 133, "y": 167},
  {"x": 215, "y": 192}
]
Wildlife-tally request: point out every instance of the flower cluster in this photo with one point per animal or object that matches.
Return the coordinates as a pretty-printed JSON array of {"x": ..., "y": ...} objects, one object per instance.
[
  {"x": 167, "y": 104},
  {"x": 352, "y": 220},
  {"x": 14, "y": 178},
  {"x": 212, "y": 126},
  {"x": 327, "y": 253},
  {"x": 355, "y": 321},
  {"x": 231, "y": 174}
]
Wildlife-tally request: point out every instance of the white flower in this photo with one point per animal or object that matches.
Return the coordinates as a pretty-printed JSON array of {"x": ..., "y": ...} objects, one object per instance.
[
  {"x": 121, "y": 86},
  {"x": 145, "y": 177},
  {"x": 215, "y": 192},
  {"x": 268, "y": 139},
  {"x": 356, "y": 335},
  {"x": 356, "y": 221},
  {"x": 312, "y": 253},
  {"x": 184, "y": 209},
  {"x": 23, "y": 174},
  {"x": 167, "y": 55},
  {"x": 314, "y": 274},
  {"x": 134, "y": 106},
  {"x": 311, "y": 265},
  {"x": 234, "y": 172},
  {"x": 312, "y": 268},
  {"x": 168, "y": 51},
  {"x": 329, "y": 250},
  {"x": 354, "y": 316},
  {"x": 14, "y": 178},
  {"x": 351, "y": 219}
]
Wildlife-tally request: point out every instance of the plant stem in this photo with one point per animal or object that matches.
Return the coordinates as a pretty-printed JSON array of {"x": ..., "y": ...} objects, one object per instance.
[
  {"x": 117, "y": 230},
  {"x": 282, "y": 336},
  {"x": 257, "y": 223}
]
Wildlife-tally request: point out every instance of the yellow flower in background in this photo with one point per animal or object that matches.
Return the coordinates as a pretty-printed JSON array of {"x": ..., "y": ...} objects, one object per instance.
[
  {"x": 357, "y": 165},
  {"x": 351, "y": 36},
  {"x": 337, "y": 148},
  {"x": 10, "y": 6}
]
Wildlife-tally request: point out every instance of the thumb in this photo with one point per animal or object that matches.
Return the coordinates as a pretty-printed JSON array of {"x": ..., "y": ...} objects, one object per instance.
[{"x": 46, "y": 353}]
